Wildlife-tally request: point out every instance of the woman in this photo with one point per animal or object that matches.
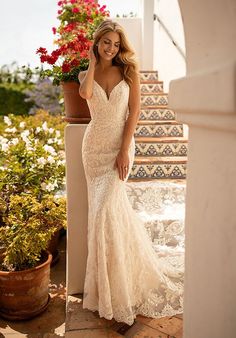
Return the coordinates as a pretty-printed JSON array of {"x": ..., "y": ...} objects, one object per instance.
[{"x": 124, "y": 276}]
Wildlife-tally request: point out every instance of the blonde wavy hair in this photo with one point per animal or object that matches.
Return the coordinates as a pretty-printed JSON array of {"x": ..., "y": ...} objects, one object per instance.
[{"x": 125, "y": 58}]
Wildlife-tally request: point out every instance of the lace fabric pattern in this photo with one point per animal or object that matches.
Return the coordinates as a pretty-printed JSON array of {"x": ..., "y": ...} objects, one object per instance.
[{"x": 126, "y": 274}]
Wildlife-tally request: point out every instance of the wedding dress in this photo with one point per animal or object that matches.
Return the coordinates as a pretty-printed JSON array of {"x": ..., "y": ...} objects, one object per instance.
[{"x": 125, "y": 276}]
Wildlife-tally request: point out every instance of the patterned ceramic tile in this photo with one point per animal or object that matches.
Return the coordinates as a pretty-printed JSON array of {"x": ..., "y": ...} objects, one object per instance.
[
  {"x": 151, "y": 87},
  {"x": 156, "y": 171},
  {"x": 148, "y": 76},
  {"x": 161, "y": 149},
  {"x": 156, "y": 114},
  {"x": 154, "y": 100},
  {"x": 159, "y": 130}
]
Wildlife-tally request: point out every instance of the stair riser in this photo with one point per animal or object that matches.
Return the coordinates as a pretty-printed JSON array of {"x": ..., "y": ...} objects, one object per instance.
[
  {"x": 146, "y": 76},
  {"x": 154, "y": 100},
  {"x": 158, "y": 171},
  {"x": 159, "y": 130},
  {"x": 157, "y": 114},
  {"x": 161, "y": 149},
  {"x": 151, "y": 88}
]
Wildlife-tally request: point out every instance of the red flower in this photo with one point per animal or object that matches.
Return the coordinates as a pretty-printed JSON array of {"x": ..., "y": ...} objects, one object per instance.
[
  {"x": 75, "y": 10},
  {"x": 60, "y": 3},
  {"x": 73, "y": 1},
  {"x": 75, "y": 63},
  {"x": 51, "y": 59},
  {"x": 59, "y": 12},
  {"x": 56, "y": 53},
  {"x": 54, "y": 30},
  {"x": 41, "y": 50},
  {"x": 43, "y": 58},
  {"x": 65, "y": 67}
]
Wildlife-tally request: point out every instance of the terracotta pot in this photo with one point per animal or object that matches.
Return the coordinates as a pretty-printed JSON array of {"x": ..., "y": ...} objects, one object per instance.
[
  {"x": 76, "y": 108},
  {"x": 24, "y": 294}
]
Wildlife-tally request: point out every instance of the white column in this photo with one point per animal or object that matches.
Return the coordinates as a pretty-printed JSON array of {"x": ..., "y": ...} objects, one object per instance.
[
  {"x": 77, "y": 210},
  {"x": 147, "y": 60},
  {"x": 206, "y": 100}
]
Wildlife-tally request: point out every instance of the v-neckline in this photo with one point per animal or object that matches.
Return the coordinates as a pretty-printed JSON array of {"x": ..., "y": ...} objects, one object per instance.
[{"x": 108, "y": 97}]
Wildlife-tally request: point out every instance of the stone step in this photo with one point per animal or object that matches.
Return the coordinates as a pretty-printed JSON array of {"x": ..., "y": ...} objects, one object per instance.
[
  {"x": 151, "y": 87},
  {"x": 156, "y": 122},
  {"x": 175, "y": 147},
  {"x": 153, "y": 113},
  {"x": 148, "y": 75},
  {"x": 161, "y": 139},
  {"x": 161, "y": 206},
  {"x": 159, "y": 99},
  {"x": 158, "y": 168},
  {"x": 159, "y": 130},
  {"x": 159, "y": 160}
]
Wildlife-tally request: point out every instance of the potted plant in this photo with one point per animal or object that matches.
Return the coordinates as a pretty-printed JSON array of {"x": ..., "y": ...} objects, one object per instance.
[
  {"x": 32, "y": 172},
  {"x": 25, "y": 266},
  {"x": 78, "y": 21}
]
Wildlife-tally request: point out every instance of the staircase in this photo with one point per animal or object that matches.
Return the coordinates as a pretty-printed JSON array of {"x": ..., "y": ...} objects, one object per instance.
[{"x": 161, "y": 144}]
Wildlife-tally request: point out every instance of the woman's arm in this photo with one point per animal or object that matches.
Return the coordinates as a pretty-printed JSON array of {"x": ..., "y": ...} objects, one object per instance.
[
  {"x": 122, "y": 159},
  {"x": 86, "y": 78}
]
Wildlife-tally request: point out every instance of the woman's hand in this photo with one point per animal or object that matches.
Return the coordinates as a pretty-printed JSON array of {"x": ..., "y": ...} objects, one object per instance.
[
  {"x": 122, "y": 164},
  {"x": 92, "y": 56}
]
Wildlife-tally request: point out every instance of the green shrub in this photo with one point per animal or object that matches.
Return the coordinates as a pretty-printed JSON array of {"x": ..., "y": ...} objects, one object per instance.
[
  {"x": 29, "y": 225},
  {"x": 32, "y": 175},
  {"x": 12, "y": 100}
]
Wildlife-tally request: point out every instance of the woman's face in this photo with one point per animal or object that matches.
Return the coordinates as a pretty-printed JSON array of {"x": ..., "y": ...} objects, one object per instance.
[{"x": 108, "y": 45}]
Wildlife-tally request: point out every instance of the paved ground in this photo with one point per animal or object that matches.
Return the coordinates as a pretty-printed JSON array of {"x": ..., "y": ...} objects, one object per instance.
[
  {"x": 82, "y": 323},
  {"x": 51, "y": 323}
]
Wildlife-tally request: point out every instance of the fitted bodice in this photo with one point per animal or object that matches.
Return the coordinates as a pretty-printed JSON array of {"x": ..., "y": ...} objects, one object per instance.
[{"x": 112, "y": 109}]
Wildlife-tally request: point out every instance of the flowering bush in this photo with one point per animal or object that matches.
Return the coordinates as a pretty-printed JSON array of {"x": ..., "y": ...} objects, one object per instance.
[
  {"x": 32, "y": 174},
  {"x": 29, "y": 225},
  {"x": 31, "y": 160},
  {"x": 78, "y": 21}
]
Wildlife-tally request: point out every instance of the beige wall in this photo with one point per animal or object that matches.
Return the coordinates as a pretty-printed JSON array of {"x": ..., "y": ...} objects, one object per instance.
[
  {"x": 167, "y": 59},
  {"x": 154, "y": 49},
  {"x": 206, "y": 100},
  {"x": 77, "y": 210}
]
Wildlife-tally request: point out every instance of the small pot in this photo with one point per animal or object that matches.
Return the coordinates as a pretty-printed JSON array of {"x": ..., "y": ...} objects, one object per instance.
[
  {"x": 24, "y": 294},
  {"x": 76, "y": 108}
]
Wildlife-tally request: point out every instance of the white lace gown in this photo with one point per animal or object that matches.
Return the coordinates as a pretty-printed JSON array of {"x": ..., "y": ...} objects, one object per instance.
[{"x": 125, "y": 276}]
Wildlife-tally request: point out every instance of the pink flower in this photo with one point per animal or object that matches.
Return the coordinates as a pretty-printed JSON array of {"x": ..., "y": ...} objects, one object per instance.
[
  {"x": 54, "y": 30},
  {"x": 103, "y": 8}
]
